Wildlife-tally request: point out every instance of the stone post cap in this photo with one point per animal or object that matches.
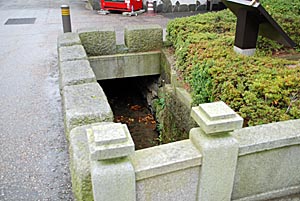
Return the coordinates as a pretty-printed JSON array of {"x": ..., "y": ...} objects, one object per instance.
[
  {"x": 109, "y": 140},
  {"x": 216, "y": 117}
]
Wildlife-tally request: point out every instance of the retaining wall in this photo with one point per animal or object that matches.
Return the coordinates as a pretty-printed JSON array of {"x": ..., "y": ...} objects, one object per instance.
[{"x": 256, "y": 163}]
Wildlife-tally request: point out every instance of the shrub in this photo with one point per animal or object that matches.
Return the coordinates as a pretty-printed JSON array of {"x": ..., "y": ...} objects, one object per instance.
[{"x": 262, "y": 88}]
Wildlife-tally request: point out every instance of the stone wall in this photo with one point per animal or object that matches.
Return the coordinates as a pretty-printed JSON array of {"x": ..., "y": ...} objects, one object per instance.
[{"x": 219, "y": 161}]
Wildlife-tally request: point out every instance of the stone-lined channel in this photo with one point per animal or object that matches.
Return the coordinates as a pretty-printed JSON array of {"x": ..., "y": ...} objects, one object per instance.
[{"x": 129, "y": 106}]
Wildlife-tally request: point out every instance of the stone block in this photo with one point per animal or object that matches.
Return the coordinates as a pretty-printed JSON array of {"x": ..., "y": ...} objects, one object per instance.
[
  {"x": 174, "y": 186},
  {"x": 268, "y": 163},
  {"x": 167, "y": 172},
  {"x": 268, "y": 174},
  {"x": 108, "y": 141},
  {"x": 80, "y": 164},
  {"x": 98, "y": 41},
  {"x": 159, "y": 8},
  {"x": 219, "y": 159},
  {"x": 268, "y": 136},
  {"x": 183, "y": 8},
  {"x": 126, "y": 65},
  {"x": 142, "y": 38},
  {"x": 85, "y": 104},
  {"x": 113, "y": 180},
  {"x": 68, "y": 39},
  {"x": 161, "y": 160},
  {"x": 192, "y": 7},
  {"x": 216, "y": 117},
  {"x": 71, "y": 53},
  {"x": 167, "y": 63},
  {"x": 75, "y": 72},
  {"x": 201, "y": 7}
]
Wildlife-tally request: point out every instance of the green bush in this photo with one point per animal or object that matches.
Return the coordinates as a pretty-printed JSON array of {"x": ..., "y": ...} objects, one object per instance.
[{"x": 262, "y": 88}]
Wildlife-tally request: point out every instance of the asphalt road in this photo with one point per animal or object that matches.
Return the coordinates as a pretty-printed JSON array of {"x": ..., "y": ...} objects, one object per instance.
[{"x": 34, "y": 162}]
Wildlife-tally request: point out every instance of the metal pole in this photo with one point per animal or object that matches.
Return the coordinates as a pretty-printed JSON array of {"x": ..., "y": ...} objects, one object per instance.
[{"x": 66, "y": 20}]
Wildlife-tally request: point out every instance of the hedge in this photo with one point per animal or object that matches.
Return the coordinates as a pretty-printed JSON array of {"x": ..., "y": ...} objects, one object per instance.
[{"x": 263, "y": 88}]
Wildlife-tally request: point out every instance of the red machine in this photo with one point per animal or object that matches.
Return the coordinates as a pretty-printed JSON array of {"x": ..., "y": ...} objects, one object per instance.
[{"x": 122, "y": 5}]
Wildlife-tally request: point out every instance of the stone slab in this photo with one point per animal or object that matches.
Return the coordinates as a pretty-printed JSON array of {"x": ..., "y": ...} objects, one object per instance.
[
  {"x": 268, "y": 136},
  {"x": 109, "y": 141},
  {"x": 142, "y": 38},
  {"x": 126, "y": 65},
  {"x": 174, "y": 186},
  {"x": 85, "y": 104},
  {"x": 164, "y": 159},
  {"x": 268, "y": 174},
  {"x": 216, "y": 117},
  {"x": 98, "y": 41},
  {"x": 75, "y": 72},
  {"x": 68, "y": 39},
  {"x": 71, "y": 53}
]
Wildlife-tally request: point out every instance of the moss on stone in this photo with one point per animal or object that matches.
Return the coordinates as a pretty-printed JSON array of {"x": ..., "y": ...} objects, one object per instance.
[
  {"x": 141, "y": 38},
  {"x": 174, "y": 117},
  {"x": 80, "y": 165},
  {"x": 98, "y": 42}
]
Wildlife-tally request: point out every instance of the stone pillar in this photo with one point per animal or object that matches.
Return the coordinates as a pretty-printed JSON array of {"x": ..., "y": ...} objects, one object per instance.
[
  {"x": 218, "y": 148},
  {"x": 113, "y": 176}
]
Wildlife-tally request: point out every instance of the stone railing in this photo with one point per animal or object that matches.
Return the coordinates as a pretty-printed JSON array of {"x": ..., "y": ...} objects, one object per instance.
[{"x": 219, "y": 161}]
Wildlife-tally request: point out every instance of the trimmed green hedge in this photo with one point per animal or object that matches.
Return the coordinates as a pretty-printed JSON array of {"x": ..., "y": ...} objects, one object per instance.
[{"x": 262, "y": 88}]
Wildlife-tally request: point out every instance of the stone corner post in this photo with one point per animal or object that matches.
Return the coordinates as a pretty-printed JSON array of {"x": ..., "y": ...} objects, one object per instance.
[
  {"x": 218, "y": 148},
  {"x": 112, "y": 174}
]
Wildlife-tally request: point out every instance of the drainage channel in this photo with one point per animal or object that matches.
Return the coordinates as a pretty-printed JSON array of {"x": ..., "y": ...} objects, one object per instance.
[{"x": 131, "y": 108}]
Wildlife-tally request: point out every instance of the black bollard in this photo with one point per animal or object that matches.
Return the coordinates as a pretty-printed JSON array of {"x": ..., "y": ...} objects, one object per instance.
[{"x": 66, "y": 20}]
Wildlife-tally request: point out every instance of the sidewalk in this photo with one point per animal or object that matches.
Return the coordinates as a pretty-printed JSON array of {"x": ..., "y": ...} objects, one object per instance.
[{"x": 33, "y": 150}]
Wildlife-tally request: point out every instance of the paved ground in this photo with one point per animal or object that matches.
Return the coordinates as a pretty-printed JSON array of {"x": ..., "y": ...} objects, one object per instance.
[{"x": 33, "y": 148}]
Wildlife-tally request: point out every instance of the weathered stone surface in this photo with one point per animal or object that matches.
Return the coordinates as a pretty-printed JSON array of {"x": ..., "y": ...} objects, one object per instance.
[
  {"x": 192, "y": 7},
  {"x": 174, "y": 186},
  {"x": 183, "y": 8},
  {"x": 80, "y": 164},
  {"x": 184, "y": 97},
  {"x": 167, "y": 61},
  {"x": 219, "y": 159},
  {"x": 164, "y": 159},
  {"x": 68, "y": 39},
  {"x": 113, "y": 180},
  {"x": 98, "y": 41},
  {"x": 269, "y": 136},
  {"x": 176, "y": 117},
  {"x": 75, "y": 72},
  {"x": 141, "y": 38},
  {"x": 216, "y": 117},
  {"x": 94, "y": 4},
  {"x": 126, "y": 65},
  {"x": 201, "y": 7},
  {"x": 109, "y": 141},
  {"x": 268, "y": 174},
  {"x": 71, "y": 53},
  {"x": 268, "y": 163},
  {"x": 85, "y": 104}
]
